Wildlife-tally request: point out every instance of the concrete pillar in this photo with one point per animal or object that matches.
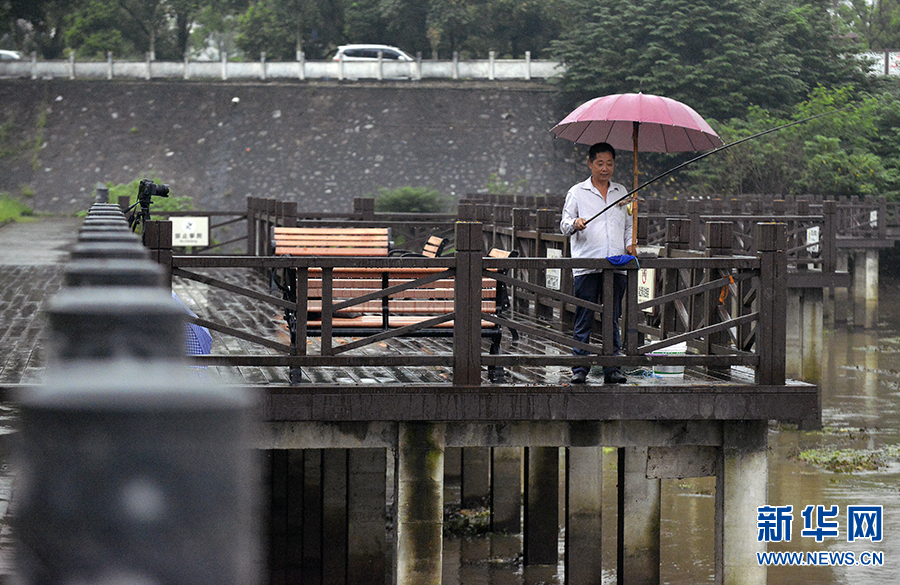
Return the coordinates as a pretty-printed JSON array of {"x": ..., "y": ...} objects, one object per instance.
[
  {"x": 476, "y": 471},
  {"x": 541, "y": 506},
  {"x": 841, "y": 296},
  {"x": 639, "y": 505},
  {"x": 334, "y": 516},
  {"x": 312, "y": 517},
  {"x": 584, "y": 520},
  {"x": 741, "y": 487},
  {"x": 871, "y": 288},
  {"x": 366, "y": 500},
  {"x": 865, "y": 288},
  {"x": 805, "y": 334},
  {"x": 420, "y": 503},
  {"x": 506, "y": 490}
]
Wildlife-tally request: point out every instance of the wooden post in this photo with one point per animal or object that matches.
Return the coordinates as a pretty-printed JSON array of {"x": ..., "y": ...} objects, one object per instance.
[
  {"x": 270, "y": 223},
  {"x": 467, "y": 323},
  {"x": 251, "y": 228},
  {"x": 545, "y": 224},
  {"x": 289, "y": 214},
  {"x": 696, "y": 224},
  {"x": 677, "y": 238},
  {"x": 521, "y": 219},
  {"x": 364, "y": 208},
  {"x": 158, "y": 240},
  {"x": 718, "y": 243},
  {"x": 770, "y": 343}
]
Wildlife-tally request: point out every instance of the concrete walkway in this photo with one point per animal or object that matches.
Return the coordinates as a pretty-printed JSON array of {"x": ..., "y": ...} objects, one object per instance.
[{"x": 31, "y": 259}]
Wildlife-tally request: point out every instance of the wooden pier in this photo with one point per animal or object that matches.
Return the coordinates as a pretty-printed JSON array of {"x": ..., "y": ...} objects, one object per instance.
[
  {"x": 365, "y": 442},
  {"x": 373, "y": 454}
]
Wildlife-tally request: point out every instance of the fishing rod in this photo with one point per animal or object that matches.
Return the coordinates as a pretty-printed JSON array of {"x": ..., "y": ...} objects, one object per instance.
[{"x": 706, "y": 154}]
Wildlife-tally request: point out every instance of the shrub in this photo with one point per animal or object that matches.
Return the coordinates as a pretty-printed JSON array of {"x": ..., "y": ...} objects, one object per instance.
[{"x": 411, "y": 200}]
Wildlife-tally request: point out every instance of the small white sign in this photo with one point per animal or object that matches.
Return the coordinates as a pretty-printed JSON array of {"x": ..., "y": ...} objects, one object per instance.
[
  {"x": 646, "y": 286},
  {"x": 190, "y": 231},
  {"x": 873, "y": 218},
  {"x": 554, "y": 275},
  {"x": 812, "y": 239}
]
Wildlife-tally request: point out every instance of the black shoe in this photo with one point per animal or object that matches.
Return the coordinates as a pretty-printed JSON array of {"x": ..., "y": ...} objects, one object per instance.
[
  {"x": 579, "y": 377},
  {"x": 614, "y": 378}
]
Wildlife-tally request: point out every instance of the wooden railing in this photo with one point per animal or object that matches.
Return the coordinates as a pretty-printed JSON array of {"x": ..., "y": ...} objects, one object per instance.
[{"x": 729, "y": 310}]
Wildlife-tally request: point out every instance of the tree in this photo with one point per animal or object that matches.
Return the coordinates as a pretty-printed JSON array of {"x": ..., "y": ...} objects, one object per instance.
[
  {"x": 853, "y": 151},
  {"x": 877, "y": 22},
  {"x": 718, "y": 56},
  {"x": 39, "y": 25},
  {"x": 283, "y": 27}
]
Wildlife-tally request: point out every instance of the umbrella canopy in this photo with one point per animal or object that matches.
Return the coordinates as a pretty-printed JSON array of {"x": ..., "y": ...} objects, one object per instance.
[
  {"x": 641, "y": 123},
  {"x": 665, "y": 125}
]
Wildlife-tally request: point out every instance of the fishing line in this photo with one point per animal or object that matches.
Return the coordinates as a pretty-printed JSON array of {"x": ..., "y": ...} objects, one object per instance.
[{"x": 706, "y": 154}]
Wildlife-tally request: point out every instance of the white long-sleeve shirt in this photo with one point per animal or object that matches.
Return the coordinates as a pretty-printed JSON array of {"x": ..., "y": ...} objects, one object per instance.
[{"x": 607, "y": 235}]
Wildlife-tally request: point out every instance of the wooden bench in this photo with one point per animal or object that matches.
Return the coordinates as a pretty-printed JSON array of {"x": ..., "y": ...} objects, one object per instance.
[
  {"x": 433, "y": 248},
  {"x": 422, "y": 295},
  {"x": 331, "y": 241}
]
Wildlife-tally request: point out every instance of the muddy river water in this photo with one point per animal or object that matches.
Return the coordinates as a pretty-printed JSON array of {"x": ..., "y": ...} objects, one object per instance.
[{"x": 860, "y": 441}]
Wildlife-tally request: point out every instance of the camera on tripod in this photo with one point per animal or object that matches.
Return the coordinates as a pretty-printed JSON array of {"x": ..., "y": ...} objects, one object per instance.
[{"x": 146, "y": 190}]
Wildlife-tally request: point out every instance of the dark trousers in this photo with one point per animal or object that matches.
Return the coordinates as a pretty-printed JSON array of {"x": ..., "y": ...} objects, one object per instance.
[{"x": 589, "y": 287}]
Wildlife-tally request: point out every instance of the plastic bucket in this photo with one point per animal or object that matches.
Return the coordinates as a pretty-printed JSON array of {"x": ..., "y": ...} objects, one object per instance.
[{"x": 660, "y": 371}]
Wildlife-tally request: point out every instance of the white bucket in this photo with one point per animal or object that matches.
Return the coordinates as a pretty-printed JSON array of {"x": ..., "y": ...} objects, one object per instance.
[{"x": 670, "y": 372}]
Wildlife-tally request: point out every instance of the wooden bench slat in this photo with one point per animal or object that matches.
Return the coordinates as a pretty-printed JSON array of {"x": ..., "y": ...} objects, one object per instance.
[
  {"x": 331, "y": 252},
  {"x": 329, "y": 230}
]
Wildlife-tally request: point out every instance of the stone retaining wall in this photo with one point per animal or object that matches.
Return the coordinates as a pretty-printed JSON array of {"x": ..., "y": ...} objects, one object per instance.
[{"x": 319, "y": 143}]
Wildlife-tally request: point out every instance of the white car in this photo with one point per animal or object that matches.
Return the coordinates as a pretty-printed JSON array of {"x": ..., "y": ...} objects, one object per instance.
[
  {"x": 9, "y": 56},
  {"x": 370, "y": 53}
]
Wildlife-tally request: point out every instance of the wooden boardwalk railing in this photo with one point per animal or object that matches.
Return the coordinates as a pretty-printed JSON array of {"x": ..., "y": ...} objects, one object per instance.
[{"x": 730, "y": 311}]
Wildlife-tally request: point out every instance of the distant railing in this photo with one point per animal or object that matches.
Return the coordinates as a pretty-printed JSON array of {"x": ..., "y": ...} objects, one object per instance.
[{"x": 301, "y": 69}]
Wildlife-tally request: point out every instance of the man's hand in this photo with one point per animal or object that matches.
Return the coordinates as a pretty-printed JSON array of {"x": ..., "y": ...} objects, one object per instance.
[{"x": 579, "y": 224}]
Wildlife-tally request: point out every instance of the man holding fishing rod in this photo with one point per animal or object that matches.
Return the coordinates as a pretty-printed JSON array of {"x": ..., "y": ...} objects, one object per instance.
[{"x": 593, "y": 234}]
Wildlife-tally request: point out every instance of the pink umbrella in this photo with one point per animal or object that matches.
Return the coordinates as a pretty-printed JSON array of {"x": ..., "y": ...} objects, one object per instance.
[{"x": 640, "y": 122}]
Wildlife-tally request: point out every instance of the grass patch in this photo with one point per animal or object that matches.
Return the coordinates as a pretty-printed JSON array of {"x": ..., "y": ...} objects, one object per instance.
[
  {"x": 12, "y": 209},
  {"x": 847, "y": 460}
]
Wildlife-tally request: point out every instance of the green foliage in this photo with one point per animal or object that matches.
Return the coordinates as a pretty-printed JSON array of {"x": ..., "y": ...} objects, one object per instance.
[
  {"x": 12, "y": 209},
  {"x": 844, "y": 460},
  {"x": 499, "y": 186},
  {"x": 851, "y": 152},
  {"x": 877, "y": 22},
  {"x": 282, "y": 27},
  {"x": 411, "y": 200},
  {"x": 718, "y": 56}
]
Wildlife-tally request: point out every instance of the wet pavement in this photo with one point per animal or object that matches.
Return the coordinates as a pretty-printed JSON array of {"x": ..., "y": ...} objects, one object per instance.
[{"x": 31, "y": 259}]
